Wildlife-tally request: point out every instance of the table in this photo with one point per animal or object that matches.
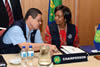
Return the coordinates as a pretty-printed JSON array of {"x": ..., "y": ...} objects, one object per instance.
[{"x": 92, "y": 62}]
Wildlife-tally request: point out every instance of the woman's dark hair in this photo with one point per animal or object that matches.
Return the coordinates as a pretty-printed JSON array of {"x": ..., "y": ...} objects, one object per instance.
[
  {"x": 32, "y": 12},
  {"x": 66, "y": 11}
]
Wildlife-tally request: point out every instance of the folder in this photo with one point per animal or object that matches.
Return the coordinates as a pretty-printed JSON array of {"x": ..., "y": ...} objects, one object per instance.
[{"x": 91, "y": 50}]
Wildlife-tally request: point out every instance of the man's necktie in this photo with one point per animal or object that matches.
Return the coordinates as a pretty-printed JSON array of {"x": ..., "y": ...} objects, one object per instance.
[
  {"x": 33, "y": 36},
  {"x": 11, "y": 19}
]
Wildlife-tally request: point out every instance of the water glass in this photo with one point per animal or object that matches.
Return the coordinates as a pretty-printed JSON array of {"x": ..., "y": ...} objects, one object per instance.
[{"x": 44, "y": 57}]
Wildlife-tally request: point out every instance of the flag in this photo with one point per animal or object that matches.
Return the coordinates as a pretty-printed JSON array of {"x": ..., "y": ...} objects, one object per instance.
[
  {"x": 52, "y": 5},
  {"x": 97, "y": 38}
]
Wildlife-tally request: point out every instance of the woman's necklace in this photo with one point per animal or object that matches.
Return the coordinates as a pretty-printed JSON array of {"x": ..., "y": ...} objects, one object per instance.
[{"x": 63, "y": 35}]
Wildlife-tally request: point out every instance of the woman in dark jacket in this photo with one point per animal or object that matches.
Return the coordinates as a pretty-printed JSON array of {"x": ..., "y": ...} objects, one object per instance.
[{"x": 62, "y": 31}]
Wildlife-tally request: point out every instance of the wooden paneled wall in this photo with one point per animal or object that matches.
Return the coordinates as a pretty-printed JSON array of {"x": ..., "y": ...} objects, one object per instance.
[
  {"x": 88, "y": 18},
  {"x": 85, "y": 14}
]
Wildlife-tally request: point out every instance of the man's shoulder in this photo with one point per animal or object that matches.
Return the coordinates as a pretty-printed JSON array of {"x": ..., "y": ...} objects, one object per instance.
[{"x": 15, "y": 29}]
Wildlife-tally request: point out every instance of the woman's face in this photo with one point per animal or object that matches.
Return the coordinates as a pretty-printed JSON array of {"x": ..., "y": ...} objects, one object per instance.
[{"x": 59, "y": 17}]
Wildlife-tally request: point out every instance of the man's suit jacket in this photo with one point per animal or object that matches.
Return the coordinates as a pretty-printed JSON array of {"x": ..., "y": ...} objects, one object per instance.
[{"x": 16, "y": 9}]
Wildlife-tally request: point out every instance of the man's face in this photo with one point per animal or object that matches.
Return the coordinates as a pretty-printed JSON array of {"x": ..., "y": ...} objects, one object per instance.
[{"x": 35, "y": 22}]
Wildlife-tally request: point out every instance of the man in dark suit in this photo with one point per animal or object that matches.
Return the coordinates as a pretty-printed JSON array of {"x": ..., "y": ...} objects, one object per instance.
[{"x": 16, "y": 11}]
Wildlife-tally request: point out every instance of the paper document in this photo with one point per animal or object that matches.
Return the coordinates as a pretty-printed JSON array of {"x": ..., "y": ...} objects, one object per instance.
[{"x": 71, "y": 50}]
